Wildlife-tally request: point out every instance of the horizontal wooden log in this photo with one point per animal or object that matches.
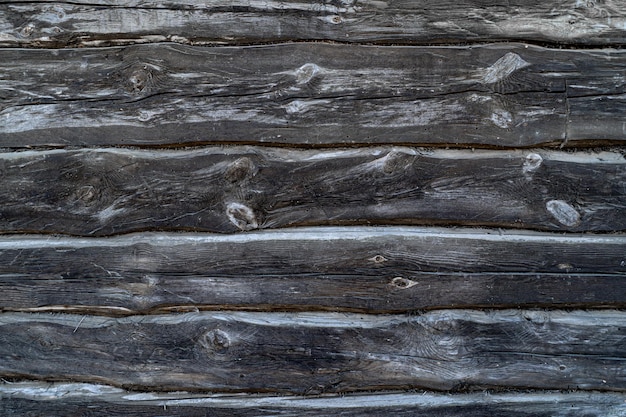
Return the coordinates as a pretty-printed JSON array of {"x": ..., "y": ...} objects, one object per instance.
[
  {"x": 321, "y": 352},
  {"x": 112, "y": 191},
  {"x": 29, "y": 398},
  {"x": 502, "y": 95},
  {"x": 80, "y": 23},
  {"x": 371, "y": 269}
]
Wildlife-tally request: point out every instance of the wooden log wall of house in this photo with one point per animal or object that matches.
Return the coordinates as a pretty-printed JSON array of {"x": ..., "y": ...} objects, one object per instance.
[{"x": 313, "y": 207}]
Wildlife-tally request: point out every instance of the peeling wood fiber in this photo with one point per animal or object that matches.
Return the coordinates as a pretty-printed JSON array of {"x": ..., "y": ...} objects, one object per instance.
[{"x": 102, "y": 400}]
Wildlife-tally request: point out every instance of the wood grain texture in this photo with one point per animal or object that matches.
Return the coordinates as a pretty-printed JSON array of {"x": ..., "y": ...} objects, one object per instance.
[
  {"x": 112, "y": 191},
  {"x": 139, "y": 277},
  {"x": 33, "y": 398},
  {"x": 306, "y": 94},
  {"x": 366, "y": 269},
  {"x": 321, "y": 352},
  {"x": 80, "y": 23}
]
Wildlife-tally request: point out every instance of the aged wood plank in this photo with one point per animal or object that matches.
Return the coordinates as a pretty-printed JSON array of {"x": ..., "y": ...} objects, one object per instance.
[
  {"x": 504, "y": 95},
  {"x": 80, "y": 23},
  {"x": 24, "y": 398},
  {"x": 112, "y": 191},
  {"x": 366, "y": 269},
  {"x": 321, "y": 352}
]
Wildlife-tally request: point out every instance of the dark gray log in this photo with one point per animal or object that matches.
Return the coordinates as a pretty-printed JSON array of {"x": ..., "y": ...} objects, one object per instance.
[
  {"x": 503, "y": 95},
  {"x": 321, "y": 352},
  {"x": 109, "y": 191},
  {"x": 33, "y": 398},
  {"x": 371, "y": 269},
  {"x": 84, "y": 23}
]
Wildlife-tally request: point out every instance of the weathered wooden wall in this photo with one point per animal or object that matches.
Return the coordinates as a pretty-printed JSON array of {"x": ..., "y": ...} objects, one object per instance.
[
  {"x": 303, "y": 208},
  {"x": 497, "y": 95}
]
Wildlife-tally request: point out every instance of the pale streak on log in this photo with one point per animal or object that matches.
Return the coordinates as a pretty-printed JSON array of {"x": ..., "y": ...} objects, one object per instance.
[
  {"x": 25, "y": 396},
  {"x": 504, "y": 67}
]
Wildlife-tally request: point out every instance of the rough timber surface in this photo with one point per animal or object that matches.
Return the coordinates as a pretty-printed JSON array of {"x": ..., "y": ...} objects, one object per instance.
[
  {"x": 366, "y": 269},
  {"x": 93, "y": 22},
  {"x": 31, "y": 398},
  {"x": 307, "y": 353},
  {"x": 308, "y": 94},
  {"x": 310, "y": 256},
  {"x": 111, "y": 191}
]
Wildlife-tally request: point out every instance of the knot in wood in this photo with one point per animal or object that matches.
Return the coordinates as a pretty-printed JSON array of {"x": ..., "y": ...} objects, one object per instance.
[
  {"x": 563, "y": 212},
  {"x": 306, "y": 73},
  {"x": 403, "y": 283},
  {"x": 241, "y": 169},
  {"x": 532, "y": 162},
  {"x": 143, "y": 76},
  {"x": 567, "y": 267},
  {"x": 216, "y": 341},
  {"x": 502, "y": 118},
  {"x": 139, "y": 79},
  {"x": 86, "y": 193},
  {"x": 395, "y": 161},
  {"x": 27, "y": 30},
  {"x": 378, "y": 259},
  {"x": 241, "y": 216},
  {"x": 332, "y": 19}
]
